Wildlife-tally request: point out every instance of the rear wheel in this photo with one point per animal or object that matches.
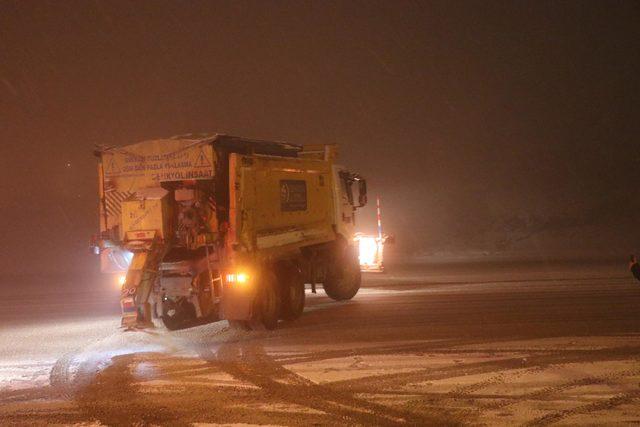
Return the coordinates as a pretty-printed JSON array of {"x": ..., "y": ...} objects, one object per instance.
[
  {"x": 266, "y": 304},
  {"x": 292, "y": 295},
  {"x": 343, "y": 277},
  {"x": 177, "y": 314}
]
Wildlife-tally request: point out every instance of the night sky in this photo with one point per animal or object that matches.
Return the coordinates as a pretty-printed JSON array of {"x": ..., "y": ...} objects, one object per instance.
[{"x": 484, "y": 126}]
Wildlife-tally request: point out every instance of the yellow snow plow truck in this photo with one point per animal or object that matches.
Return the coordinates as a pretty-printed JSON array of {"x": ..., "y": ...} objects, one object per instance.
[{"x": 205, "y": 228}]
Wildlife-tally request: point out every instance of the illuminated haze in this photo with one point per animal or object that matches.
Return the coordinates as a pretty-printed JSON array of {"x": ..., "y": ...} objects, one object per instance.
[{"x": 486, "y": 127}]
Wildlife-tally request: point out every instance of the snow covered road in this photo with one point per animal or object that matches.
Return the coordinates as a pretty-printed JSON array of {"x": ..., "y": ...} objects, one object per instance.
[{"x": 499, "y": 344}]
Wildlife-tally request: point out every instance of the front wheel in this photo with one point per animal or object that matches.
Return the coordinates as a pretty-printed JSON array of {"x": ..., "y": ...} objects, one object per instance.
[{"x": 343, "y": 278}]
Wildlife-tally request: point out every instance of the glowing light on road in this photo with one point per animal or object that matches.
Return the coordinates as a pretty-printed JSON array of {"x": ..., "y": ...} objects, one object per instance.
[{"x": 122, "y": 278}]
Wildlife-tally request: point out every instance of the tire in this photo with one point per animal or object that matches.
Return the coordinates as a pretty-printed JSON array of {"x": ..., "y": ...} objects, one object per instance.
[
  {"x": 177, "y": 314},
  {"x": 266, "y": 307},
  {"x": 292, "y": 294},
  {"x": 343, "y": 277}
]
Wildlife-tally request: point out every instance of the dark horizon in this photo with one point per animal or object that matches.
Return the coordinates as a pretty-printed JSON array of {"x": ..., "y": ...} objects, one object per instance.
[{"x": 492, "y": 127}]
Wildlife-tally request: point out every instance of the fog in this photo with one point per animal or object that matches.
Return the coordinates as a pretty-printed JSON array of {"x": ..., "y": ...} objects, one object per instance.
[{"x": 486, "y": 128}]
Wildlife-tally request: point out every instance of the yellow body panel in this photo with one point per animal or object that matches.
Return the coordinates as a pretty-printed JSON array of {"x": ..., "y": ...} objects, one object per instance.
[
  {"x": 282, "y": 202},
  {"x": 147, "y": 164},
  {"x": 147, "y": 212}
]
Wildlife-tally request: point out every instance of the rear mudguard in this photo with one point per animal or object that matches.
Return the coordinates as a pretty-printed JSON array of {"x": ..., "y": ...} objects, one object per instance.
[{"x": 237, "y": 302}]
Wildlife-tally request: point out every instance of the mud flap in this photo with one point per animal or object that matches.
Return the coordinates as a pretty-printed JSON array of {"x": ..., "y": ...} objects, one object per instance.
[
  {"x": 135, "y": 316},
  {"x": 129, "y": 312},
  {"x": 237, "y": 302}
]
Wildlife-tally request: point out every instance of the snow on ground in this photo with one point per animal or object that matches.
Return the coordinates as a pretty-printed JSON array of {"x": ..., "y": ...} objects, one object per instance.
[{"x": 546, "y": 344}]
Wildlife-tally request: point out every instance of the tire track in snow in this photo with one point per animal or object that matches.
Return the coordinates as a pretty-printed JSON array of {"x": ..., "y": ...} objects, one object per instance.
[
  {"x": 535, "y": 361},
  {"x": 249, "y": 362},
  {"x": 600, "y": 405},
  {"x": 548, "y": 391}
]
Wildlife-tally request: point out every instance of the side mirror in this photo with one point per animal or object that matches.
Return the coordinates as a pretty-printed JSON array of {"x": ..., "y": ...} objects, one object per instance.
[{"x": 362, "y": 193}]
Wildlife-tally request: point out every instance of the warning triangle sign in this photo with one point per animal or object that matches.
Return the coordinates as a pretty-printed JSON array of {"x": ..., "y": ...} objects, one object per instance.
[
  {"x": 202, "y": 161},
  {"x": 112, "y": 167}
]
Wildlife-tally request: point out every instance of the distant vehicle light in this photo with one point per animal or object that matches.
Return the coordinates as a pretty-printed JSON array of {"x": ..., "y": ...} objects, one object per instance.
[
  {"x": 368, "y": 250},
  {"x": 370, "y": 253}
]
